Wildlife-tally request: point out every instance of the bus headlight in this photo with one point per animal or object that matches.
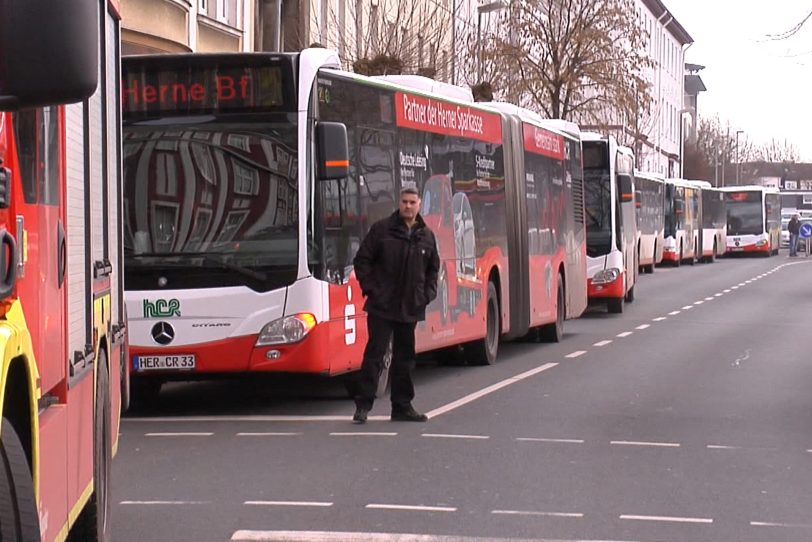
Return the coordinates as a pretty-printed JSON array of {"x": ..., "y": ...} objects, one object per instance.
[
  {"x": 606, "y": 276},
  {"x": 761, "y": 243},
  {"x": 287, "y": 330}
]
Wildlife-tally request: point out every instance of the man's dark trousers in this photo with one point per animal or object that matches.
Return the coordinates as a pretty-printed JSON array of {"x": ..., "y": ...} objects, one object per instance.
[{"x": 379, "y": 331}]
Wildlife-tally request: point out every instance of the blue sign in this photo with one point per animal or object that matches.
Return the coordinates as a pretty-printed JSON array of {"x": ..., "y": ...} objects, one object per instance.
[{"x": 806, "y": 230}]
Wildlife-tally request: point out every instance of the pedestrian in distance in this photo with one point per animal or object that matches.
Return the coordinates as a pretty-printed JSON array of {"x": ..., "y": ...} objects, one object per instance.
[
  {"x": 794, "y": 229},
  {"x": 397, "y": 266}
]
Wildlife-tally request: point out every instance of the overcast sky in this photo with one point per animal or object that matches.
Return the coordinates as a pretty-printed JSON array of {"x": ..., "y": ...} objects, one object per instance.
[{"x": 763, "y": 87}]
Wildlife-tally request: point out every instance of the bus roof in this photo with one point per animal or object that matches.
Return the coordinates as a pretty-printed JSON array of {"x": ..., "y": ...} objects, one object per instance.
[
  {"x": 751, "y": 188},
  {"x": 702, "y": 184},
  {"x": 430, "y": 86},
  {"x": 651, "y": 175}
]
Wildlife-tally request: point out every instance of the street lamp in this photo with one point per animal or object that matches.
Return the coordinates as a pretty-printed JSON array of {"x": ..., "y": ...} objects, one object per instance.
[
  {"x": 738, "y": 162},
  {"x": 486, "y": 7}
]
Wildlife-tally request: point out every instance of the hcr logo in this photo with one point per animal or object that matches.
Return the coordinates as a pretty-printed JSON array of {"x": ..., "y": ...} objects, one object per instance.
[{"x": 161, "y": 308}]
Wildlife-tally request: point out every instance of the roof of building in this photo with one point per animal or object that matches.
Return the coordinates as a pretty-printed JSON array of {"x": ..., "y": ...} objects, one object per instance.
[
  {"x": 658, "y": 9},
  {"x": 694, "y": 85}
]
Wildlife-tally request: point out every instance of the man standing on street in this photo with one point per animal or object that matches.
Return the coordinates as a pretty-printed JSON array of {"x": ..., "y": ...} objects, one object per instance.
[
  {"x": 397, "y": 266},
  {"x": 794, "y": 229}
]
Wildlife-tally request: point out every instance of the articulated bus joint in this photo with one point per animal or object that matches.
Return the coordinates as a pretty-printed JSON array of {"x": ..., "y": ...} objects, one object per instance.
[{"x": 81, "y": 365}]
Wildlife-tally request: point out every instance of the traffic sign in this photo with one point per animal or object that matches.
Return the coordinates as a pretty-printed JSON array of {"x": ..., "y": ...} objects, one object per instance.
[{"x": 806, "y": 230}]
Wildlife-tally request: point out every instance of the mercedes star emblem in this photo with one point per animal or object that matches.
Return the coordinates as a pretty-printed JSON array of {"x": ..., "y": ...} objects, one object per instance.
[{"x": 163, "y": 333}]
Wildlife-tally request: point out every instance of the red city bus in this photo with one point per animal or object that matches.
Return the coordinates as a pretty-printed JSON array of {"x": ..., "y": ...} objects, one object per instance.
[
  {"x": 239, "y": 250},
  {"x": 62, "y": 325}
]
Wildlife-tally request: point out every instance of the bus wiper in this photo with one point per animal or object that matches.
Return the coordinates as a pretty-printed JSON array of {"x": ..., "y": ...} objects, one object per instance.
[{"x": 245, "y": 271}]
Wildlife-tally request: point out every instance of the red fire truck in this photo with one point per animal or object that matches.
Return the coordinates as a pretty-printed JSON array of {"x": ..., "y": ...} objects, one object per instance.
[{"x": 62, "y": 324}]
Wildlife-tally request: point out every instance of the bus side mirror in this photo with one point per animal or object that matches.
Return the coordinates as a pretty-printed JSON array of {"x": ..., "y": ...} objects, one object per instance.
[
  {"x": 50, "y": 52},
  {"x": 626, "y": 191},
  {"x": 333, "y": 154}
]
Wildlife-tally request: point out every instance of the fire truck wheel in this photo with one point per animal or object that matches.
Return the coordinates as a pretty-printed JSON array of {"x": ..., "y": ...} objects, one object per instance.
[
  {"x": 19, "y": 521},
  {"x": 93, "y": 524},
  {"x": 483, "y": 351}
]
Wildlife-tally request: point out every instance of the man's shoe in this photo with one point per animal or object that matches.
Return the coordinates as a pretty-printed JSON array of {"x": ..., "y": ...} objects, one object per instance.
[
  {"x": 408, "y": 415},
  {"x": 360, "y": 416}
]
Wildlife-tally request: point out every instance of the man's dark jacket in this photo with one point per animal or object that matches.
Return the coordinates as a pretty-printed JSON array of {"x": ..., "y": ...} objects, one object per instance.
[
  {"x": 398, "y": 270},
  {"x": 794, "y": 226}
]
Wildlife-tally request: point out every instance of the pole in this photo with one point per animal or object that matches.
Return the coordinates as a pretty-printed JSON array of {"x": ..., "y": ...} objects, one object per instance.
[
  {"x": 737, "y": 158},
  {"x": 716, "y": 170},
  {"x": 454, "y": 42},
  {"x": 479, "y": 44}
]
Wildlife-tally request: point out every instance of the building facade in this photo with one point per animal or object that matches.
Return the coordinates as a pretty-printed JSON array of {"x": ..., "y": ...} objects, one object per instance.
[
  {"x": 176, "y": 26},
  {"x": 658, "y": 140}
]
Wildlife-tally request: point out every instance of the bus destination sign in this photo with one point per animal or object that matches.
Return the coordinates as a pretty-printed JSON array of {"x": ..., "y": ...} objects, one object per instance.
[{"x": 194, "y": 90}]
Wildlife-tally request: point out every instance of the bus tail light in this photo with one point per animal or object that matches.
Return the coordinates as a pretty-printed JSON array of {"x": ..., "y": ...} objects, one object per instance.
[
  {"x": 287, "y": 330},
  {"x": 605, "y": 276}
]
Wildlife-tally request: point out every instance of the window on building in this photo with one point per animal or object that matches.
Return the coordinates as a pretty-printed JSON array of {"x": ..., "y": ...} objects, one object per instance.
[
  {"x": 222, "y": 11},
  {"x": 203, "y": 6},
  {"x": 166, "y": 175},
  {"x": 246, "y": 180}
]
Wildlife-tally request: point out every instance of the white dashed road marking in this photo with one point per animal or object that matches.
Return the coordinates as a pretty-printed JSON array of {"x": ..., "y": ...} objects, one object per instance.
[
  {"x": 720, "y": 447},
  {"x": 673, "y": 313},
  {"x": 672, "y": 519},
  {"x": 165, "y": 503},
  {"x": 643, "y": 326},
  {"x": 576, "y": 354},
  {"x": 641, "y": 443},
  {"x": 791, "y": 525},
  {"x": 602, "y": 343},
  {"x": 271, "y": 434},
  {"x": 313, "y": 504},
  {"x": 533, "y": 513},
  {"x": 443, "y": 435},
  {"x": 363, "y": 434},
  {"x": 200, "y": 434},
  {"x": 659, "y": 319},
  {"x": 415, "y": 508},
  {"x": 624, "y": 334},
  {"x": 554, "y": 440},
  {"x": 490, "y": 389}
]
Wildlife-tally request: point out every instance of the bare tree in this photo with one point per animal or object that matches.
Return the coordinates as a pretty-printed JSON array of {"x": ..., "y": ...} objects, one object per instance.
[
  {"x": 389, "y": 36},
  {"x": 792, "y": 31},
  {"x": 779, "y": 151},
  {"x": 574, "y": 59}
]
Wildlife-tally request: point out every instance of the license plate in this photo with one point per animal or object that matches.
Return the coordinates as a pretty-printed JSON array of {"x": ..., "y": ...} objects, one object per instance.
[
  {"x": 737, "y": 249},
  {"x": 176, "y": 362}
]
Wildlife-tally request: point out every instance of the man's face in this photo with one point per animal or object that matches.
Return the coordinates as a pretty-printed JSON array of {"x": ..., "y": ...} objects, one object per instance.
[{"x": 409, "y": 205}]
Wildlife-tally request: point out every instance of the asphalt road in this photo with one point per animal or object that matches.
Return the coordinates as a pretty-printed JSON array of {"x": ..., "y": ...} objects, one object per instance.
[{"x": 687, "y": 418}]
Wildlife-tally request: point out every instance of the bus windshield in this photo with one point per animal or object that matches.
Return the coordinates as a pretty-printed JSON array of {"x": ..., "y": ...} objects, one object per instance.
[
  {"x": 597, "y": 198},
  {"x": 744, "y": 213},
  {"x": 211, "y": 202}
]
